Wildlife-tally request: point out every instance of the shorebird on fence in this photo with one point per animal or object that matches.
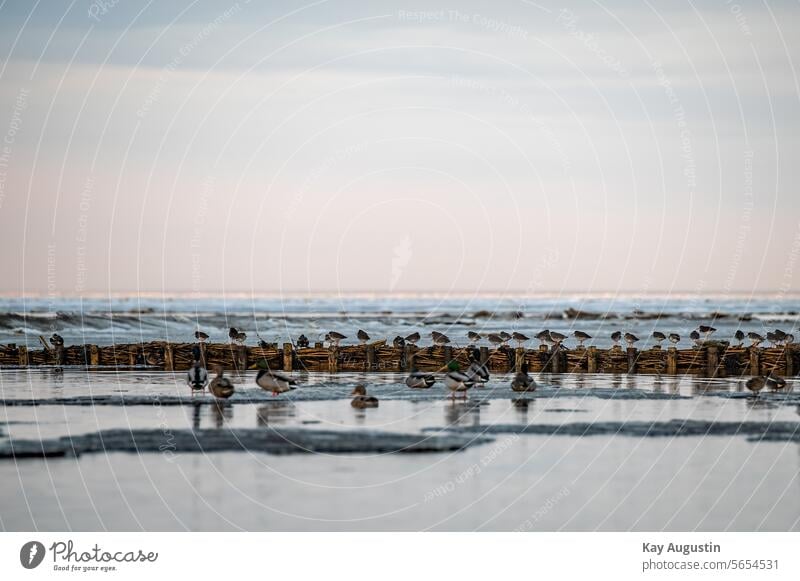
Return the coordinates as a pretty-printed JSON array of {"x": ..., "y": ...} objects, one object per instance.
[
  {"x": 413, "y": 338},
  {"x": 580, "y": 336},
  {"x": 674, "y": 338},
  {"x": 439, "y": 339},
  {"x": 398, "y": 342},
  {"x": 630, "y": 339},
  {"x": 302, "y": 342},
  {"x": 739, "y": 336},
  {"x": 706, "y": 331},
  {"x": 658, "y": 336},
  {"x": 755, "y": 339},
  {"x": 57, "y": 340},
  {"x": 237, "y": 336},
  {"x": 362, "y": 337},
  {"x": 473, "y": 337},
  {"x": 557, "y": 338},
  {"x": 616, "y": 336},
  {"x": 334, "y": 338},
  {"x": 506, "y": 337},
  {"x": 544, "y": 337},
  {"x": 772, "y": 338},
  {"x": 519, "y": 338},
  {"x": 200, "y": 336},
  {"x": 695, "y": 337},
  {"x": 495, "y": 339}
]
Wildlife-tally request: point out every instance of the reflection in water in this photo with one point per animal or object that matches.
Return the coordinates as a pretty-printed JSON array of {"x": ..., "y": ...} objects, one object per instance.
[
  {"x": 521, "y": 405},
  {"x": 462, "y": 413},
  {"x": 221, "y": 412},
  {"x": 196, "y": 415},
  {"x": 275, "y": 412},
  {"x": 616, "y": 381}
]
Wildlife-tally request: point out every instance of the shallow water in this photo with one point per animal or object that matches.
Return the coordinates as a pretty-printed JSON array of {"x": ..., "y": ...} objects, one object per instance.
[{"x": 514, "y": 482}]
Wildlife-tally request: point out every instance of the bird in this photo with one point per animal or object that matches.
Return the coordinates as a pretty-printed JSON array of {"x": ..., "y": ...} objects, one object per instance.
[
  {"x": 334, "y": 338},
  {"x": 581, "y": 337},
  {"x": 506, "y": 337},
  {"x": 695, "y": 337},
  {"x": 398, "y": 342},
  {"x": 739, "y": 336},
  {"x": 519, "y": 338},
  {"x": 706, "y": 330},
  {"x": 275, "y": 381},
  {"x": 543, "y": 336},
  {"x": 789, "y": 339},
  {"x": 755, "y": 339},
  {"x": 756, "y": 384},
  {"x": 420, "y": 380},
  {"x": 302, "y": 342},
  {"x": 457, "y": 381},
  {"x": 616, "y": 336},
  {"x": 674, "y": 338},
  {"x": 522, "y": 381},
  {"x": 362, "y": 337},
  {"x": 197, "y": 376},
  {"x": 361, "y": 399},
  {"x": 56, "y": 340},
  {"x": 477, "y": 370},
  {"x": 772, "y": 338},
  {"x": 630, "y": 339},
  {"x": 413, "y": 338},
  {"x": 439, "y": 339},
  {"x": 221, "y": 387},
  {"x": 473, "y": 337},
  {"x": 659, "y": 337},
  {"x": 200, "y": 336},
  {"x": 237, "y": 336},
  {"x": 556, "y": 337},
  {"x": 780, "y": 336},
  {"x": 775, "y": 383},
  {"x": 495, "y": 339}
]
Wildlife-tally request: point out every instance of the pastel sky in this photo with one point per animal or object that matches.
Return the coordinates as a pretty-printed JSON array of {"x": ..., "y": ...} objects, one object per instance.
[{"x": 390, "y": 147}]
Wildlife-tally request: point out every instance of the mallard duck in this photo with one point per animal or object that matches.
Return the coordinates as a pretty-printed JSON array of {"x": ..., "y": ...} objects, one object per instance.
[
  {"x": 362, "y": 337},
  {"x": 756, "y": 384},
  {"x": 197, "y": 376},
  {"x": 200, "y": 336},
  {"x": 522, "y": 381},
  {"x": 477, "y": 371},
  {"x": 457, "y": 381},
  {"x": 361, "y": 399},
  {"x": 221, "y": 387},
  {"x": 420, "y": 380},
  {"x": 334, "y": 338},
  {"x": 581, "y": 337},
  {"x": 275, "y": 381},
  {"x": 775, "y": 383}
]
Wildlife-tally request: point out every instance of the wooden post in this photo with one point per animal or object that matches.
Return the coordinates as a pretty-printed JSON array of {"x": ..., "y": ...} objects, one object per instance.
[
  {"x": 59, "y": 349},
  {"x": 370, "y": 357},
  {"x": 333, "y": 359},
  {"x": 712, "y": 360},
  {"x": 408, "y": 354},
  {"x": 94, "y": 355},
  {"x": 789, "y": 362},
  {"x": 169, "y": 364},
  {"x": 241, "y": 358},
  {"x": 754, "y": 361},
  {"x": 591, "y": 360},
  {"x": 288, "y": 357},
  {"x": 448, "y": 355},
  {"x": 484, "y": 355},
  {"x": 22, "y": 354},
  {"x": 555, "y": 359},
  {"x": 519, "y": 359},
  {"x": 132, "y": 357},
  {"x": 672, "y": 361},
  {"x": 632, "y": 352},
  {"x": 203, "y": 354}
]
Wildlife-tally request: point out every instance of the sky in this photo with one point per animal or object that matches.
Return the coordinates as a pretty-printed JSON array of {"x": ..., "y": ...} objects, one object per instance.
[{"x": 459, "y": 146}]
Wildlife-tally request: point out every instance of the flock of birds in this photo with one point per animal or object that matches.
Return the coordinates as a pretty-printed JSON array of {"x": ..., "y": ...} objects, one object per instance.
[
  {"x": 546, "y": 337},
  {"x": 456, "y": 380}
]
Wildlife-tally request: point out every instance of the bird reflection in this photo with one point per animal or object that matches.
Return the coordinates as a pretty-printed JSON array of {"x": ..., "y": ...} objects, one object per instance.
[
  {"x": 221, "y": 412},
  {"x": 521, "y": 405},
  {"x": 275, "y": 412},
  {"x": 196, "y": 415},
  {"x": 462, "y": 413}
]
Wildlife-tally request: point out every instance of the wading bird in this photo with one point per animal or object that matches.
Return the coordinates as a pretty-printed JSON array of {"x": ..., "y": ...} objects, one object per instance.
[
  {"x": 413, "y": 338},
  {"x": 658, "y": 336},
  {"x": 200, "y": 336},
  {"x": 519, "y": 338},
  {"x": 439, "y": 339},
  {"x": 755, "y": 339},
  {"x": 616, "y": 336},
  {"x": 739, "y": 336},
  {"x": 580, "y": 336},
  {"x": 457, "y": 381},
  {"x": 473, "y": 337},
  {"x": 630, "y": 339},
  {"x": 674, "y": 338},
  {"x": 221, "y": 387},
  {"x": 334, "y": 338},
  {"x": 522, "y": 381},
  {"x": 362, "y": 337}
]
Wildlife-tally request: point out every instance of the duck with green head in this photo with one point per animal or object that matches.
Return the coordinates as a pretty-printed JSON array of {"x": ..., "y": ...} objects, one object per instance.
[{"x": 456, "y": 381}]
